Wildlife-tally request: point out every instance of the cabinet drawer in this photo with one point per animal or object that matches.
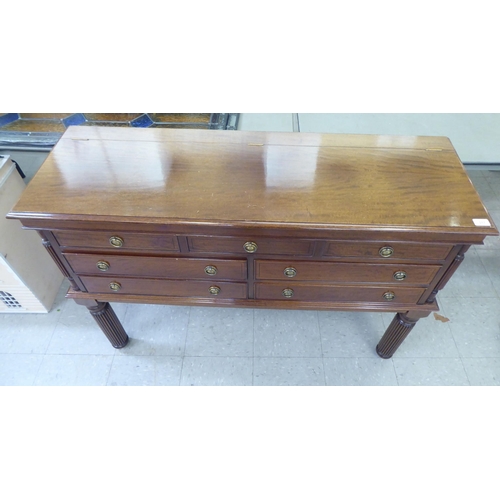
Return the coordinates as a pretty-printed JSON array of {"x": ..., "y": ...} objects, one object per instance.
[
  {"x": 117, "y": 241},
  {"x": 244, "y": 246},
  {"x": 168, "y": 288},
  {"x": 397, "y": 274},
  {"x": 158, "y": 267},
  {"x": 386, "y": 251},
  {"x": 336, "y": 293}
]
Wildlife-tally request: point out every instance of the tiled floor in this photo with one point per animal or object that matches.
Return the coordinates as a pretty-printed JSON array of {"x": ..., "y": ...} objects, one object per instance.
[{"x": 210, "y": 346}]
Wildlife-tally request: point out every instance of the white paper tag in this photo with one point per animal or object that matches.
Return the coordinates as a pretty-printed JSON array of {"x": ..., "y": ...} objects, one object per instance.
[{"x": 481, "y": 222}]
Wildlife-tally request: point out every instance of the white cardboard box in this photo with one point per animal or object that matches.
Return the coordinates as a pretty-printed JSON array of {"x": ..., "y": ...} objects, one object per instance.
[{"x": 29, "y": 278}]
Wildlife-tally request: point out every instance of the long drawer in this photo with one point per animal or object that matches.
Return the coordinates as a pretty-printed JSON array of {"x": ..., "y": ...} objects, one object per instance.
[
  {"x": 169, "y": 288},
  {"x": 337, "y": 293},
  {"x": 386, "y": 251},
  {"x": 244, "y": 246},
  {"x": 337, "y": 272},
  {"x": 117, "y": 240},
  {"x": 158, "y": 267}
]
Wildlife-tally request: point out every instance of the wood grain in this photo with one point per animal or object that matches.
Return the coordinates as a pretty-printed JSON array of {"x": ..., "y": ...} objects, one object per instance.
[
  {"x": 336, "y": 272},
  {"x": 227, "y": 177}
]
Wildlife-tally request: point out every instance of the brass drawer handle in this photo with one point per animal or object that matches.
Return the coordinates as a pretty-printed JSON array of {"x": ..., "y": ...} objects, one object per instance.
[
  {"x": 399, "y": 275},
  {"x": 386, "y": 251},
  {"x": 389, "y": 296},
  {"x": 115, "y": 286},
  {"x": 250, "y": 247},
  {"x": 102, "y": 265},
  {"x": 214, "y": 290},
  {"x": 116, "y": 241},
  {"x": 211, "y": 270},
  {"x": 287, "y": 292},
  {"x": 290, "y": 272}
]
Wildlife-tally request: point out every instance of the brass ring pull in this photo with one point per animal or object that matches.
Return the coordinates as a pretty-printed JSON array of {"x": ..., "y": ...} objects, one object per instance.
[
  {"x": 290, "y": 272},
  {"x": 211, "y": 270},
  {"x": 250, "y": 247},
  {"x": 115, "y": 286},
  {"x": 116, "y": 241},
  {"x": 399, "y": 275},
  {"x": 214, "y": 290},
  {"x": 389, "y": 296},
  {"x": 102, "y": 265},
  {"x": 386, "y": 252},
  {"x": 287, "y": 292}
]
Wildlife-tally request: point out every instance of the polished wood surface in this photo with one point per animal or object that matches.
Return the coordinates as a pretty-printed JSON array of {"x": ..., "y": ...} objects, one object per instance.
[
  {"x": 334, "y": 293},
  {"x": 254, "y": 219},
  {"x": 234, "y": 177},
  {"x": 131, "y": 241},
  {"x": 345, "y": 272},
  {"x": 165, "y": 288},
  {"x": 400, "y": 250},
  {"x": 161, "y": 267}
]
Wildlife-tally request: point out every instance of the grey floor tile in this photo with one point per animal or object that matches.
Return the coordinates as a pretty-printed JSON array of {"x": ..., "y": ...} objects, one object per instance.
[
  {"x": 359, "y": 371},
  {"x": 288, "y": 371},
  {"x": 430, "y": 371},
  {"x": 475, "y": 326},
  {"x": 73, "y": 370},
  {"x": 287, "y": 333},
  {"x": 488, "y": 194},
  {"x": 27, "y": 333},
  {"x": 220, "y": 332},
  {"x": 482, "y": 371},
  {"x": 490, "y": 257},
  {"x": 212, "y": 371},
  {"x": 145, "y": 370},
  {"x": 19, "y": 369},
  {"x": 350, "y": 334},
  {"x": 155, "y": 330},
  {"x": 470, "y": 279},
  {"x": 78, "y": 333},
  {"x": 430, "y": 338}
]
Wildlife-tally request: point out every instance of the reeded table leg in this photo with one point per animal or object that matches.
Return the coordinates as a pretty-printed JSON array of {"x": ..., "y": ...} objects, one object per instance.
[
  {"x": 397, "y": 331},
  {"x": 106, "y": 318}
]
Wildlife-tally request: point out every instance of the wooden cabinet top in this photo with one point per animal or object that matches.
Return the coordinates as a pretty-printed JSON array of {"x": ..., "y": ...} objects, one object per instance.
[{"x": 239, "y": 178}]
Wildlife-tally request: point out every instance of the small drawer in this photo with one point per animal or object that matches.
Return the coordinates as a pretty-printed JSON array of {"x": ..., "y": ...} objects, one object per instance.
[
  {"x": 386, "y": 251},
  {"x": 337, "y": 272},
  {"x": 117, "y": 241},
  {"x": 287, "y": 291},
  {"x": 158, "y": 267},
  {"x": 250, "y": 245},
  {"x": 168, "y": 288}
]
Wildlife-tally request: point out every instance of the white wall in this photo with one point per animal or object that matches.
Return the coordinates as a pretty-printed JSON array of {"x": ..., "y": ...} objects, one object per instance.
[{"x": 476, "y": 136}]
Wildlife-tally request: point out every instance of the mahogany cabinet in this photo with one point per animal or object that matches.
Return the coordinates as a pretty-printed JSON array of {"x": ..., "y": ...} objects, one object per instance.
[{"x": 255, "y": 219}]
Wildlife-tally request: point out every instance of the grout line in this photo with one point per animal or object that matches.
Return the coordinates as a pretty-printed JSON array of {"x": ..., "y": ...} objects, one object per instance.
[
  {"x": 465, "y": 371},
  {"x": 295, "y": 122},
  {"x": 253, "y": 348},
  {"x": 185, "y": 343},
  {"x": 321, "y": 347}
]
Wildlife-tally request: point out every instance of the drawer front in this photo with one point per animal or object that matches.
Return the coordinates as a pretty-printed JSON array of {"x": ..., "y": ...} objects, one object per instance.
[
  {"x": 158, "y": 267},
  {"x": 168, "y": 288},
  {"x": 245, "y": 246},
  {"x": 117, "y": 241},
  {"x": 397, "y": 274},
  {"x": 387, "y": 251},
  {"x": 320, "y": 293}
]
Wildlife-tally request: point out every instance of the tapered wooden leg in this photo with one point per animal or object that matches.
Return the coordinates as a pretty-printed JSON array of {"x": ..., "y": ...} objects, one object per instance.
[
  {"x": 397, "y": 331},
  {"x": 106, "y": 318}
]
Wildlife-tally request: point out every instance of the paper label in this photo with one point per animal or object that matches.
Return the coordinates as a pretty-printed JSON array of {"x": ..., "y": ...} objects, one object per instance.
[{"x": 481, "y": 222}]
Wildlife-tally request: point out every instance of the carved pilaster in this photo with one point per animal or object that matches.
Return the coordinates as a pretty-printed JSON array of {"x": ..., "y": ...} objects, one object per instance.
[
  {"x": 60, "y": 265},
  {"x": 448, "y": 274}
]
